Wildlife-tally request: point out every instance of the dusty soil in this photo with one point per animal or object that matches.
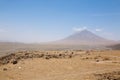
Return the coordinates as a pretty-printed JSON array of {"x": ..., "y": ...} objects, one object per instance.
[{"x": 61, "y": 65}]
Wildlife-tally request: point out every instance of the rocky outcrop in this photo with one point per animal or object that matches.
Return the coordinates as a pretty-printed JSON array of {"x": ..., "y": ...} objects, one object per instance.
[
  {"x": 115, "y": 75},
  {"x": 14, "y": 58}
]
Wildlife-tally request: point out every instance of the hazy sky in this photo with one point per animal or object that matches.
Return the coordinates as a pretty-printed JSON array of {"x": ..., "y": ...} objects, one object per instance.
[{"x": 47, "y": 20}]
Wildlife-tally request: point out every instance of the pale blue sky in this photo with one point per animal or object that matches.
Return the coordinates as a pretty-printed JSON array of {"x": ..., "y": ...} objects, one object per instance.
[{"x": 49, "y": 20}]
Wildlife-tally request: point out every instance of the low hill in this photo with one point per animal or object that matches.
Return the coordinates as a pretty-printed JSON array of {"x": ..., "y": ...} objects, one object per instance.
[{"x": 116, "y": 47}]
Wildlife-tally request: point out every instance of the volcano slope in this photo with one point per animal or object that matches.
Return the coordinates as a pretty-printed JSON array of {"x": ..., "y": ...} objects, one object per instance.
[{"x": 61, "y": 65}]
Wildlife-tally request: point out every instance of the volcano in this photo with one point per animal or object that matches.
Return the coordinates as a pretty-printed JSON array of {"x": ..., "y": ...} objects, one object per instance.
[{"x": 84, "y": 37}]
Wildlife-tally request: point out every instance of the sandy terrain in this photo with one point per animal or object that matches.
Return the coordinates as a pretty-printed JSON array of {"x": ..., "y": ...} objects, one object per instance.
[{"x": 61, "y": 65}]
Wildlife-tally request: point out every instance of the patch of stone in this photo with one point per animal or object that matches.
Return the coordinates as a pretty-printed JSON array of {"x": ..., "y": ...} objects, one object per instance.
[
  {"x": 115, "y": 75},
  {"x": 97, "y": 58},
  {"x": 14, "y": 58}
]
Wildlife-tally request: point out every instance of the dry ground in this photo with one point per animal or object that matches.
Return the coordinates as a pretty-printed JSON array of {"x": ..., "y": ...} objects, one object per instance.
[{"x": 85, "y": 65}]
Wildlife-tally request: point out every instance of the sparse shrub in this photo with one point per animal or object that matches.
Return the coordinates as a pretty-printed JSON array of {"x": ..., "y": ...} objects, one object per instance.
[
  {"x": 87, "y": 58},
  {"x": 72, "y": 52},
  {"x": 14, "y": 61},
  {"x": 5, "y": 69},
  {"x": 47, "y": 57},
  {"x": 70, "y": 56},
  {"x": 97, "y": 60},
  {"x": 106, "y": 58},
  {"x": 60, "y": 54}
]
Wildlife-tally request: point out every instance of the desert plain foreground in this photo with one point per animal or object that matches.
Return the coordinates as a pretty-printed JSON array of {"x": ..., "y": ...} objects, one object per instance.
[{"x": 61, "y": 65}]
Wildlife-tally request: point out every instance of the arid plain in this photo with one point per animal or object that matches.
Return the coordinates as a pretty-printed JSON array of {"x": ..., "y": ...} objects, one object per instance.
[
  {"x": 81, "y": 56},
  {"x": 61, "y": 65}
]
